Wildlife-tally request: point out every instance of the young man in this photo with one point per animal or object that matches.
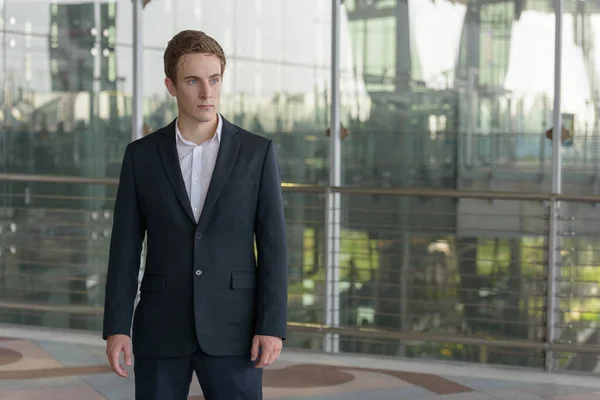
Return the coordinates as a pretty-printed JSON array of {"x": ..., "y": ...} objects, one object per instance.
[{"x": 202, "y": 190}]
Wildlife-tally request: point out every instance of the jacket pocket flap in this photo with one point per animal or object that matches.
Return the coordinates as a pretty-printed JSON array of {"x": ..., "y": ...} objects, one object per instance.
[
  {"x": 243, "y": 280},
  {"x": 152, "y": 283}
]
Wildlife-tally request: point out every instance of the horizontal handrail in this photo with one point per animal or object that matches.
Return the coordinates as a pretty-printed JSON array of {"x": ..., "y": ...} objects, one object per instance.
[
  {"x": 353, "y": 332},
  {"x": 433, "y": 338},
  {"x": 71, "y": 309},
  {"x": 306, "y": 188},
  {"x": 57, "y": 179}
]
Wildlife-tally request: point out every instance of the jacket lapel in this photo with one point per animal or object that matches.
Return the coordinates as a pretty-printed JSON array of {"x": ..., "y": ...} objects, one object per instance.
[
  {"x": 170, "y": 160},
  {"x": 228, "y": 150}
]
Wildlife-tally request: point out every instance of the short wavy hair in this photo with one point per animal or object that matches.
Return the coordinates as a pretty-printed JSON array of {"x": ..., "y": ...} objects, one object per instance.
[{"x": 190, "y": 42}]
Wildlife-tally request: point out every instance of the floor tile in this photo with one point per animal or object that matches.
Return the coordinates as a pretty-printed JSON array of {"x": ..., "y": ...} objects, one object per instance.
[
  {"x": 111, "y": 386},
  {"x": 34, "y": 357},
  {"x": 69, "y": 355},
  {"x": 59, "y": 393},
  {"x": 578, "y": 396},
  {"x": 514, "y": 394},
  {"x": 483, "y": 384},
  {"x": 40, "y": 383},
  {"x": 545, "y": 390},
  {"x": 409, "y": 392},
  {"x": 464, "y": 396}
]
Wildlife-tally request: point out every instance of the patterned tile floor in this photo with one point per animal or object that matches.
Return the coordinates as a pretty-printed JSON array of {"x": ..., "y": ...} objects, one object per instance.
[{"x": 56, "y": 365}]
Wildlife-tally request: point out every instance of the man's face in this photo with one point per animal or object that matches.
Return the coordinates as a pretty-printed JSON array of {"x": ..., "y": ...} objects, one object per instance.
[{"x": 198, "y": 87}]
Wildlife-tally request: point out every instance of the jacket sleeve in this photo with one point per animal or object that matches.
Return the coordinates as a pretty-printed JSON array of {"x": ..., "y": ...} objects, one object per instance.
[
  {"x": 127, "y": 236},
  {"x": 272, "y": 253}
]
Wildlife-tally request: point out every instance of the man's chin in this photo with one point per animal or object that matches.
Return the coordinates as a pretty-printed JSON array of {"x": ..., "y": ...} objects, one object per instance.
[{"x": 206, "y": 116}]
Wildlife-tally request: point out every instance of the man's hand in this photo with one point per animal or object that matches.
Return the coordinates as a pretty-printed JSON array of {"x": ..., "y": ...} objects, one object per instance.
[
  {"x": 116, "y": 344},
  {"x": 271, "y": 348}
]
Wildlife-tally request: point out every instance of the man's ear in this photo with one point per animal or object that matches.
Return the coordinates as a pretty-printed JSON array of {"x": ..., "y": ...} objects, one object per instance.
[{"x": 170, "y": 87}]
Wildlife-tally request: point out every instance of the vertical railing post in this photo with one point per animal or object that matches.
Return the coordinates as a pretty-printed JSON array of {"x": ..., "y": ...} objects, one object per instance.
[
  {"x": 137, "y": 109},
  {"x": 137, "y": 117},
  {"x": 333, "y": 229},
  {"x": 553, "y": 239}
]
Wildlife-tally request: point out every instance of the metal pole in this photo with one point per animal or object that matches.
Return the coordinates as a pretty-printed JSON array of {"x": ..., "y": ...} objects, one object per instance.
[
  {"x": 553, "y": 239},
  {"x": 332, "y": 315},
  {"x": 137, "y": 112},
  {"x": 137, "y": 117},
  {"x": 471, "y": 116},
  {"x": 404, "y": 272}
]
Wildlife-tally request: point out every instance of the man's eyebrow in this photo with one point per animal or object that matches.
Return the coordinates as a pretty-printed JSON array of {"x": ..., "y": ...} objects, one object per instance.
[{"x": 197, "y": 77}]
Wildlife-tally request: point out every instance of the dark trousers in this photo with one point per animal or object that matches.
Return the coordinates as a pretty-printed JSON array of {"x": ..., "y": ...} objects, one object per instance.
[{"x": 221, "y": 378}]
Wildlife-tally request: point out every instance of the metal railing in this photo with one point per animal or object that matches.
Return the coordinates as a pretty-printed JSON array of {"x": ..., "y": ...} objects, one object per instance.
[
  {"x": 370, "y": 157},
  {"x": 443, "y": 274}
]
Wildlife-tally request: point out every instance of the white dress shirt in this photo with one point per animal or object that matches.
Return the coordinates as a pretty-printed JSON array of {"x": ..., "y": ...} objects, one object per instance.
[{"x": 197, "y": 163}]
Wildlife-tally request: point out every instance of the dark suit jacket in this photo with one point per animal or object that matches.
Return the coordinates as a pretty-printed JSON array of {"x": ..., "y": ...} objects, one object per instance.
[{"x": 202, "y": 283}]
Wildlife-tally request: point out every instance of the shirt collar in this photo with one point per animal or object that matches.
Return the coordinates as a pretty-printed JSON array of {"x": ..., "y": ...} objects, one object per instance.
[{"x": 216, "y": 137}]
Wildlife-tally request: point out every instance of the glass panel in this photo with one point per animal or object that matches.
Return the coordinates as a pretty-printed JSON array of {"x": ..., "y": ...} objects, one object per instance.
[
  {"x": 306, "y": 232},
  {"x": 578, "y": 300},
  {"x": 66, "y": 93},
  {"x": 578, "y": 291},
  {"x": 438, "y": 94},
  {"x": 418, "y": 265},
  {"x": 580, "y": 97},
  {"x": 54, "y": 241},
  {"x": 66, "y": 87}
]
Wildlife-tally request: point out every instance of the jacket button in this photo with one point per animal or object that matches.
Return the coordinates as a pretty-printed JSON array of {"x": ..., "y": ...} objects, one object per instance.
[
  {"x": 198, "y": 235},
  {"x": 198, "y": 272}
]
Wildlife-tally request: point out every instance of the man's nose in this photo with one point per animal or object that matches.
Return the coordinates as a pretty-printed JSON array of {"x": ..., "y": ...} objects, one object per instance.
[{"x": 204, "y": 90}]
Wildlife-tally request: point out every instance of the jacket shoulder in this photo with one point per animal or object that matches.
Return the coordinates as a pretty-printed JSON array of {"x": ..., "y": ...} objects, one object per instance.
[
  {"x": 147, "y": 142},
  {"x": 252, "y": 139}
]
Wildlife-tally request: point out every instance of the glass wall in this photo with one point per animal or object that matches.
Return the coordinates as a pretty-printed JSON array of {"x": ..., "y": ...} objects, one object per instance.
[
  {"x": 460, "y": 96},
  {"x": 65, "y": 117},
  {"x": 66, "y": 86},
  {"x": 578, "y": 302},
  {"x": 436, "y": 96}
]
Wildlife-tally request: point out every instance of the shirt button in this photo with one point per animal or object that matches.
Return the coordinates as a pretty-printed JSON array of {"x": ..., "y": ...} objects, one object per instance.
[
  {"x": 198, "y": 235},
  {"x": 198, "y": 272}
]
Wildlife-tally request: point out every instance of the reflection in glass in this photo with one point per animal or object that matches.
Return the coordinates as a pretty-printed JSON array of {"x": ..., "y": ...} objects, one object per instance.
[
  {"x": 406, "y": 266},
  {"x": 66, "y": 88},
  {"x": 65, "y": 101},
  {"x": 460, "y": 96}
]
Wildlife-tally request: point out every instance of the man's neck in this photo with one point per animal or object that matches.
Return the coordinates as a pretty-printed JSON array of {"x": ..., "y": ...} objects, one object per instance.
[{"x": 197, "y": 132}]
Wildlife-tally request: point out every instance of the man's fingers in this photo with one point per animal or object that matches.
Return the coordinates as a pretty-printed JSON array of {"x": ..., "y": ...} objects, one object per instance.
[
  {"x": 275, "y": 353},
  {"x": 113, "y": 359},
  {"x": 255, "y": 347},
  {"x": 128, "y": 356},
  {"x": 262, "y": 360},
  {"x": 265, "y": 357},
  {"x": 116, "y": 366},
  {"x": 274, "y": 356},
  {"x": 115, "y": 345}
]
